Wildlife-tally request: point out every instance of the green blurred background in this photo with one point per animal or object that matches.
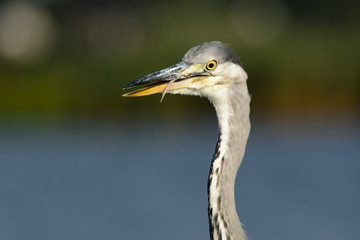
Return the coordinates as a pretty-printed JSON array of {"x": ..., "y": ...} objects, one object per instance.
[
  {"x": 78, "y": 161},
  {"x": 70, "y": 59}
]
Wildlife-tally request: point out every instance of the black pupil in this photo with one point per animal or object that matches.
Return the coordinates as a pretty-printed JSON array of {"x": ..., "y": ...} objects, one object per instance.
[{"x": 211, "y": 65}]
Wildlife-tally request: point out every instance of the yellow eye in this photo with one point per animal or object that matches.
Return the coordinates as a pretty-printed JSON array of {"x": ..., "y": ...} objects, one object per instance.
[{"x": 211, "y": 65}]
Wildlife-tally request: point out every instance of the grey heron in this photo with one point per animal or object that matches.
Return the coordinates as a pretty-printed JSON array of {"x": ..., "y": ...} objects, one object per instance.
[{"x": 214, "y": 71}]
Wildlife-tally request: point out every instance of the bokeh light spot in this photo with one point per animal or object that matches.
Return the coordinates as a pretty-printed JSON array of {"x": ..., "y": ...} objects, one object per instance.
[
  {"x": 26, "y": 32},
  {"x": 259, "y": 22}
]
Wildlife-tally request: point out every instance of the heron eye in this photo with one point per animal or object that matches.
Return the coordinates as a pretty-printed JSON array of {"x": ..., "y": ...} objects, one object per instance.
[{"x": 211, "y": 65}]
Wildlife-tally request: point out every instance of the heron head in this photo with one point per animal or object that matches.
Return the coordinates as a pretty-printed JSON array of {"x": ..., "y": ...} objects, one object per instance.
[{"x": 205, "y": 70}]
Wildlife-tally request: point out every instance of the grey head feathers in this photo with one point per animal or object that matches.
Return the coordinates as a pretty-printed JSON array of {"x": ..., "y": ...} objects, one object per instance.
[{"x": 211, "y": 51}]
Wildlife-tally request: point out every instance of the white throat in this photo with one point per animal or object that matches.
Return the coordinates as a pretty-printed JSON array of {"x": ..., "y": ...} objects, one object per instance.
[{"x": 232, "y": 108}]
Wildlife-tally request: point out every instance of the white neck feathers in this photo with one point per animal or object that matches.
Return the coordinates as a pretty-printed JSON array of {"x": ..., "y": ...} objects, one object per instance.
[{"x": 232, "y": 108}]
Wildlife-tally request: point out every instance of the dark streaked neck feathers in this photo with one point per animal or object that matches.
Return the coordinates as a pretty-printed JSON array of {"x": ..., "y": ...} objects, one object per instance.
[{"x": 234, "y": 127}]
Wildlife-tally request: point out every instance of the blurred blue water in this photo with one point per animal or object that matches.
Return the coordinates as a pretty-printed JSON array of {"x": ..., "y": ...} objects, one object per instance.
[{"x": 137, "y": 181}]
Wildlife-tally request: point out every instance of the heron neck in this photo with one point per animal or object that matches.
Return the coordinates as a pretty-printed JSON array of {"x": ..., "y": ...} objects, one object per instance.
[{"x": 234, "y": 127}]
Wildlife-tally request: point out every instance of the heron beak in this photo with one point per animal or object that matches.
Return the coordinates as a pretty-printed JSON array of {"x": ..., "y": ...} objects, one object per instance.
[{"x": 178, "y": 76}]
